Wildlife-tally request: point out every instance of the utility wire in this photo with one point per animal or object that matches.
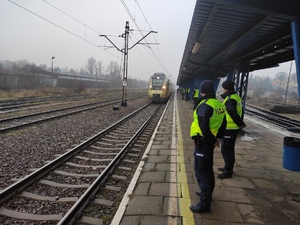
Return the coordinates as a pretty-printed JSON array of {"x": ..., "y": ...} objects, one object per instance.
[
  {"x": 68, "y": 30},
  {"x": 154, "y": 35},
  {"x": 63, "y": 27},
  {"x": 72, "y": 17},
  {"x": 134, "y": 21},
  {"x": 52, "y": 23},
  {"x": 142, "y": 54},
  {"x": 142, "y": 69}
]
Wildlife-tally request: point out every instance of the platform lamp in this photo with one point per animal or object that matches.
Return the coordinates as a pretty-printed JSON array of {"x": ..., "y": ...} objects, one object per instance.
[
  {"x": 52, "y": 69},
  {"x": 52, "y": 62},
  {"x": 196, "y": 47}
]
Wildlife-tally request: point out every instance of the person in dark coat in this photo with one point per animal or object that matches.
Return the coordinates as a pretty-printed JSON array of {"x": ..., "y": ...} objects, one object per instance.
[
  {"x": 234, "y": 118},
  {"x": 206, "y": 130}
]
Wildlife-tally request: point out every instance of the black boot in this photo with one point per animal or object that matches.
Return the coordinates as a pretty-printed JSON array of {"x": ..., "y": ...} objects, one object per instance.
[
  {"x": 224, "y": 175},
  {"x": 200, "y": 209}
]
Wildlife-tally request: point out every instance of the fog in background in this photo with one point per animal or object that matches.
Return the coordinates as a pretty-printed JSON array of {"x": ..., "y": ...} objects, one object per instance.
[{"x": 37, "y": 30}]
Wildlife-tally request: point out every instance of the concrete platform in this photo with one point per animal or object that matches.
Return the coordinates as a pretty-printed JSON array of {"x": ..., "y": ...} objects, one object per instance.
[{"x": 261, "y": 191}]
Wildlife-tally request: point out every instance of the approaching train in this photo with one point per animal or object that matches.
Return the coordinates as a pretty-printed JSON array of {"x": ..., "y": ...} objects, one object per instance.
[{"x": 160, "y": 87}]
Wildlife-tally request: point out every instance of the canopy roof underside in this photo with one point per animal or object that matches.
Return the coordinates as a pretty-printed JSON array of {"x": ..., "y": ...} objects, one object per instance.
[{"x": 232, "y": 31}]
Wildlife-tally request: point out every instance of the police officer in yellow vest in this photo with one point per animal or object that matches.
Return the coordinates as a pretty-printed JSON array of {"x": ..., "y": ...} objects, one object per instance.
[
  {"x": 195, "y": 96},
  {"x": 206, "y": 130},
  {"x": 187, "y": 93},
  {"x": 183, "y": 93},
  {"x": 234, "y": 119}
]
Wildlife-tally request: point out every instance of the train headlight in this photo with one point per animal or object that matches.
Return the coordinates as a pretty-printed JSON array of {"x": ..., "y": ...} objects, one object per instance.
[
  {"x": 164, "y": 87},
  {"x": 150, "y": 87}
]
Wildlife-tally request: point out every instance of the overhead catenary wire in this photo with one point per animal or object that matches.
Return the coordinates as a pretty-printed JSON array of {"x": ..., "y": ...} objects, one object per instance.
[
  {"x": 154, "y": 35},
  {"x": 134, "y": 21},
  {"x": 52, "y": 23},
  {"x": 142, "y": 54},
  {"x": 71, "y": 17},
  {"x": 86, "y": 26},
  {"x": 82, "y": 38},
  {"x": 78, "y": 36}
]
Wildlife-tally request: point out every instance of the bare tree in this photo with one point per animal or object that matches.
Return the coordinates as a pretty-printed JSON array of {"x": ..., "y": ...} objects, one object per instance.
[
  {"x": 99, "y": 69},
  {"x": 113, "y": 70},
  {"x": 72, "y": 71},
  {"x": 294, "y": 77},
  {"x": 91, "y": 66},
  {"x": 65, "y": 70},
  {"x": 83, "y": 72},
  {"x": 6, "y": 66},
  {"x": 43, "y": 67},
  {"x": 21, "y": 67},
  {"x": 281, "y": 76}
]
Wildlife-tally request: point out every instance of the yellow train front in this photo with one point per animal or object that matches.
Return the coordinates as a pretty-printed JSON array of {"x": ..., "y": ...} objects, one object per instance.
[{"x": 160, "y": 87}]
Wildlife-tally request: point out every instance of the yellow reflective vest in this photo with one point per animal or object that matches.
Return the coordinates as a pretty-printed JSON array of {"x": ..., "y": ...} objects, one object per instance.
[
  {"x": 196, "y": 93},
  {"x": 215, "y": 120},
  {"x": 230, "y": 124}
]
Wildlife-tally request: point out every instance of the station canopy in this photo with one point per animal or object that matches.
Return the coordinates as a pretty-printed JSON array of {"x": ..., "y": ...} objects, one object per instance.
[{"x": 226, "y": 32}]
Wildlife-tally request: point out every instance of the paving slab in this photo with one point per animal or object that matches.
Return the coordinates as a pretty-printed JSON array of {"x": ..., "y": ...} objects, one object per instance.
[
  {"x": 145, "y": 205},
  {"x": 261, "y": 191}
]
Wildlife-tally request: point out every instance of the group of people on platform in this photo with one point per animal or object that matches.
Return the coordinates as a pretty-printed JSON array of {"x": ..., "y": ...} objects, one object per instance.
[
  {"x": 214, "y": 123},
  {"x": 185, "y": 93}
]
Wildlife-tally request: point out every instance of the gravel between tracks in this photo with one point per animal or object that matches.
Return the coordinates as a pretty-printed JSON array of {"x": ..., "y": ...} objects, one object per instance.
[{"x": 31, "y": 147}]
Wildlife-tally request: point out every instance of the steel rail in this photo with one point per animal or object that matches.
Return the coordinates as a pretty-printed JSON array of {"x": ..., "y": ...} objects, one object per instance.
[
  {"x": 75, "y": 212},
  {"x": 39, "y": 173},
  {"x": 98, "y": 104},
  {"x": 280, "y": 121}
]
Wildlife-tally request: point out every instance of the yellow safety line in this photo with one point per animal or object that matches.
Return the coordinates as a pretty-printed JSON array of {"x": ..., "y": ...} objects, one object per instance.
[{"x": 182, "y": 189}]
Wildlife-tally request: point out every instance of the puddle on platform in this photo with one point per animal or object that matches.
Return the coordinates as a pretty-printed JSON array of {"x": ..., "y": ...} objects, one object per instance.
[{"x": 246, "y": 138}]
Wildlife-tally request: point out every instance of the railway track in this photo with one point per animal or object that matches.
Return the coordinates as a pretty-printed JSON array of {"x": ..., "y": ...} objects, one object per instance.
[
  {"x": 37, "y": 117},
  {"x": 67, "y": 189},
  {"x": 273, "y": 118},
  {"x": 16, "y": 104}
]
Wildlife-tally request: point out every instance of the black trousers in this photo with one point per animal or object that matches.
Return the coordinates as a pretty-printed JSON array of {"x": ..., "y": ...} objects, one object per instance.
[
  {"x": 227, "y": 149},
  {"x": 186, "y": 96},
  {"x": 195, "y": 102},
  {"x": 203, "y": 166}
]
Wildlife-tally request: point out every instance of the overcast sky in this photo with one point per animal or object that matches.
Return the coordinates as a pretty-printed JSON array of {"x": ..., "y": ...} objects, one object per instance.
[{"x": 37, "y": 30}]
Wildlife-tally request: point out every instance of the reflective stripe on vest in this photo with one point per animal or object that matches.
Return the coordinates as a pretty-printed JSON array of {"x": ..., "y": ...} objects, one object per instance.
[
  {"x": 230, "y": 124},
  {"x": 215, "y": 120}
]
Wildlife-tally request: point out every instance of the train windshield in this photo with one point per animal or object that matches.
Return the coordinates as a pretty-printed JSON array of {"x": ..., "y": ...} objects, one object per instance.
[{"x": 158, "y": 80}]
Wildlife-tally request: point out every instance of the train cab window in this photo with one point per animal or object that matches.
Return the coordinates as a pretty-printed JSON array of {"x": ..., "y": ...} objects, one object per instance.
[{"x": 157, "y": 81}]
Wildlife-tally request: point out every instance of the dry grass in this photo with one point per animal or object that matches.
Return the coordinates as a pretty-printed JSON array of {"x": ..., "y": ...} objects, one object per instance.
[
  {"x": 13, "y": 94},
  {"x": 265, "y": 105}
]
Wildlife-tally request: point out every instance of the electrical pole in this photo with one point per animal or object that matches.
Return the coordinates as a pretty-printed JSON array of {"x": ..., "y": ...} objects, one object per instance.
[
  {"x": 125, "y": 66},
  {"x": 287, "y": 84}
]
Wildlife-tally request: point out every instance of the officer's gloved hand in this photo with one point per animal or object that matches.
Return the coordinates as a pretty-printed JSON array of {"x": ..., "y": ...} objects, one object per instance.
[
  {"x": 217, "y": 144},
  {"x": 243, "y": 126}
]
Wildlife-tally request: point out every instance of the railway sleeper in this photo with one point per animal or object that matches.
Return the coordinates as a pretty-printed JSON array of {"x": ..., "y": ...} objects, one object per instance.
[
  {"x": 136, "y": 150},
  {"x": 94, "y": 160},
  {"x": 89, "y": 220},
  {"x": 29, "y": 216},
  {"x": 97, "y": 201},
  {"x": 105, "y": 149},
  {"x": 75, "y": 186},
  {"x": 99, "y": 153},
  {"x": 54, "y": 218}
]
